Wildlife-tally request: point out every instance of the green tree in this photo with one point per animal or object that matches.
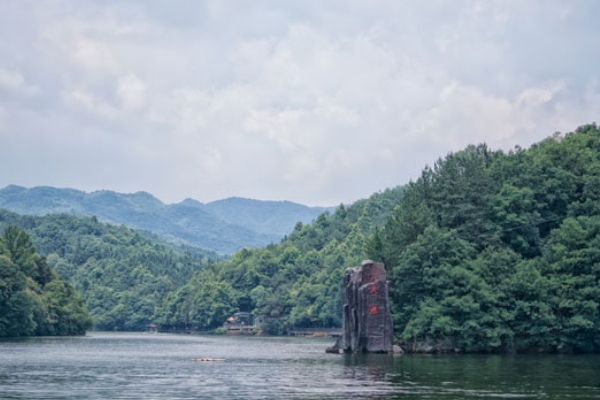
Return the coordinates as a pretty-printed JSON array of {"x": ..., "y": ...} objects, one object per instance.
[{"x": 34, "y": 300}]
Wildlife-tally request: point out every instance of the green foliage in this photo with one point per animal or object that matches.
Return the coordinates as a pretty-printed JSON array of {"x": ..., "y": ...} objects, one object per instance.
[
  {"x": 122, "y": 275},
  {"x": 34, "y": 300},
  {"x": 204, "y": 309},
  {"x": 499, "y": 252},
  {"x": 486, "y": 252},
  {"x": 294, "y": 283}
]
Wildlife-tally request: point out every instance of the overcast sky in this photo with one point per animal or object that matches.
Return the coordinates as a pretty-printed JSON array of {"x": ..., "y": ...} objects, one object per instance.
[{"x": 318, "y": 102}]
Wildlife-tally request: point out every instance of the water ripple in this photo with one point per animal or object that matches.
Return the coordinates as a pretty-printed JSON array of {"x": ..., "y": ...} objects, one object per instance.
[{"x": 138, "y": 366}]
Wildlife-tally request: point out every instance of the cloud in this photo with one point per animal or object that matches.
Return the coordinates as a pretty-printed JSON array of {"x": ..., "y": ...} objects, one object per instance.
[
  {"x": 317, "y": 102},
  {"x": 93, "y": 56},
  {"x": 88, "y": 102},
  {"x": 132, "y": 92},
  {"x": 2, "y": 118},
  {"x": 13, "y": 81}
]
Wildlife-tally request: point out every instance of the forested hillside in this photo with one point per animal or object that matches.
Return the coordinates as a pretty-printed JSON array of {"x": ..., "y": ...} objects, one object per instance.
[
  {"x": 224, "y": 226},
  {"x": 499, "y": 252},
  {"x": 295, "y": 283},
  {"x": 122, "y": 275},
  {"x": 487, "y": 251},
  {"x": 34, "y": 300}
]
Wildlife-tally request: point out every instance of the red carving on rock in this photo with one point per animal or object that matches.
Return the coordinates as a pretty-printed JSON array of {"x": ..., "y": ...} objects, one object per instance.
[
  {"x": 367, "y": 321},
  {"x": 373, "y": 289}
]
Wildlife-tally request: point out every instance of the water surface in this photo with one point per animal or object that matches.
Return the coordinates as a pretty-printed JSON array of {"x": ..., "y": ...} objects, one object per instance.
[{"x": 156, "y": 366}]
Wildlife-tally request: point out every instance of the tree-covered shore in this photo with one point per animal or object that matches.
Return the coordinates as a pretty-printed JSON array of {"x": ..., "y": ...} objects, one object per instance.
[
  {"x": 123, "y": 275},
  {"x": 34, "y": 300},
  {"x": 486, "y": 252},
  {"x": 499, "y": 252}
]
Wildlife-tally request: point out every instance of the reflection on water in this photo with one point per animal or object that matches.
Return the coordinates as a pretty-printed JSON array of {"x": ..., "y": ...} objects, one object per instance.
[{"x": 143, "y": 366}]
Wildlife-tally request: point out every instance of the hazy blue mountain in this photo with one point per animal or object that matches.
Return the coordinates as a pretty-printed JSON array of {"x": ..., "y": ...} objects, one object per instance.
[
  {"x": 224, "y": 226},
  {"x": 268, "y": 217}
]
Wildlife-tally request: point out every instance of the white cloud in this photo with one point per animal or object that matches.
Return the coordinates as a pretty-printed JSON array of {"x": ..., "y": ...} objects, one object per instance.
[
  {"x": 94, "y": 56},
  {"x": 132, "y": 92},
  {"x": 88, "y": 102},
  {"x": 283, "y": 127},
  {"x": 10, "y": 79},
  {"x": 2, "y": 118},
  {"x": 290, "y": 100},
  {"x": 535, "y": 97},
  {"x": 14, "y": 82}
]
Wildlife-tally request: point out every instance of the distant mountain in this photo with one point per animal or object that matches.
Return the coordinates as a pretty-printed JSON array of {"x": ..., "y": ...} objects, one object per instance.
[
  {"x": 266, "y": 217},
  {"x": 224, "y": 226}
]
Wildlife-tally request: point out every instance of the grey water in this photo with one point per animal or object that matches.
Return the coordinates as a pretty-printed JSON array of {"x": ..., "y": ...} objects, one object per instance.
[{"x": 159, "y": 366}]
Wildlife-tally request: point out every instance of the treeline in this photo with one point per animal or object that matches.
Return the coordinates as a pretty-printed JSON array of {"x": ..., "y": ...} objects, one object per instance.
[
  {"x": 487, "y": 251},
  {"x": 294, "y": 283},
  {"x": 122, "y": 275},
  {"x": 499, "y": 252},
  {"x": 34, "y": 300}
]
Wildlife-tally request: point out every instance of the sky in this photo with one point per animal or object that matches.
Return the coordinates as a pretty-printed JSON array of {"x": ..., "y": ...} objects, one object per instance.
[{"x": 316, "y": 102}]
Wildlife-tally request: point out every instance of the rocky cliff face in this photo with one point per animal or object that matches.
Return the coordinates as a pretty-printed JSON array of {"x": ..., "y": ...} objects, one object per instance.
[{"x": 367, "y": 322}]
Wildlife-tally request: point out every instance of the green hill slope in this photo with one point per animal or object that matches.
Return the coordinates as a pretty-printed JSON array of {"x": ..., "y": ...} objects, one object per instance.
[
  {"x": 486, "y": 251},
  {"x": 34, "y": 300},
  {"x": 122, "y": 275},
  {"x": 499, "y": 252},
  {"x": 295, "y": 283}
]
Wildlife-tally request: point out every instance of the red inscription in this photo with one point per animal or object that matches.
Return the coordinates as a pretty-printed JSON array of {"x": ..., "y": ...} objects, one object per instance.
[
  {"x": 373, "y": 310},
  {"x": 373, "y": 289}
]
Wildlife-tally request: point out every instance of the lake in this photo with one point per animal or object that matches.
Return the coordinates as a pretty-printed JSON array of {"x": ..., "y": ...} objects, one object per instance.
[{"x": 158, "y": 366}]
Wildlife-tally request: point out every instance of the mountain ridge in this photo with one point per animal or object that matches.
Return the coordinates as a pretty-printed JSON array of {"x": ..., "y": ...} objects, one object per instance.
[{"x": 224, "y": 226}]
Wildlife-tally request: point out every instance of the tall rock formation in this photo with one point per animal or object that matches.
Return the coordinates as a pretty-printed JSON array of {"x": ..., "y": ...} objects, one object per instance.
[{"x": 367, "y": 321}]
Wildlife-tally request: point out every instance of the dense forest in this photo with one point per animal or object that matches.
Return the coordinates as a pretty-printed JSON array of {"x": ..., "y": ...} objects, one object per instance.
[
  {"x": 130, "y": 279},
  {"x": 487, "y": 251},
  {"x": 34, "y": 300},
  {"x": 122, "y": 275},
  {"x": 491, "y": 251},
  {"x": 294, "y": 283}
]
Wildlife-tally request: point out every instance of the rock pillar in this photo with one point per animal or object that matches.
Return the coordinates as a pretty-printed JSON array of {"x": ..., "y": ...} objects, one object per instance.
[{"x": 367, "y": 321}]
